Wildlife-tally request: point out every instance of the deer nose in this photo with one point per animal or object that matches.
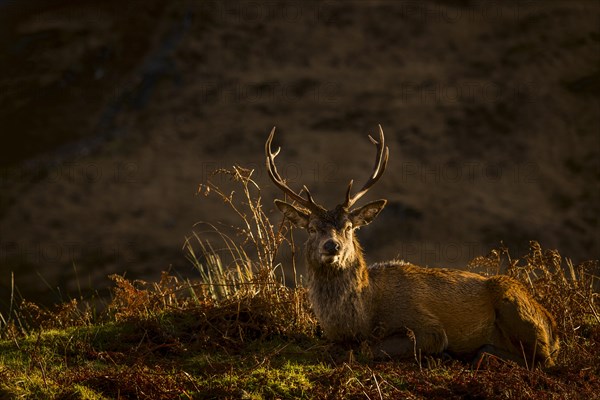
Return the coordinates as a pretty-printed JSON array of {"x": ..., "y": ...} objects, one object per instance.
[{"x": 331, "y": 247}]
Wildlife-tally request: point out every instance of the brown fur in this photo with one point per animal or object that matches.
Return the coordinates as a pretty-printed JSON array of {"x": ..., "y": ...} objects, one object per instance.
[{"x": 448, "y": 311}]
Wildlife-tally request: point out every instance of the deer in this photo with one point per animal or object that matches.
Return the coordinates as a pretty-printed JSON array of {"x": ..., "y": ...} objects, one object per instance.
[{"x": 399, "y": 309}]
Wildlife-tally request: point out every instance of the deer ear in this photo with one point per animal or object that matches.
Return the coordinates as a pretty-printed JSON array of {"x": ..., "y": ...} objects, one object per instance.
[
  {"x": 367, "y": 213},
  {"x": 298, "y": 217}
]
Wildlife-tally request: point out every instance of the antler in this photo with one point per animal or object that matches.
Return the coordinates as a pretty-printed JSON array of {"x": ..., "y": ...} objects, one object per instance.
[
  {"x": 380, "y": 165},
  {"x": 307, "y": 202}
]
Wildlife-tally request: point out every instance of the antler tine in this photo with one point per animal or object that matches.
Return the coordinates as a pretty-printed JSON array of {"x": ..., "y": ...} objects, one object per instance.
[
  {"x": 348, "y": 199},
  {"x": 381, "y": 160},
  {"x": 280, "y": 183}
]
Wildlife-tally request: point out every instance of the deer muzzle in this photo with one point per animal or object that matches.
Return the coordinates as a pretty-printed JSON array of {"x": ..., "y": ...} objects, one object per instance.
[{"x": 330, "y": 251}]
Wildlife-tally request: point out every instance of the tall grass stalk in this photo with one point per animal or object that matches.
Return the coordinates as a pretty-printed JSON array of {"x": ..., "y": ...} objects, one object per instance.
[{"x": 229, "y": 268}]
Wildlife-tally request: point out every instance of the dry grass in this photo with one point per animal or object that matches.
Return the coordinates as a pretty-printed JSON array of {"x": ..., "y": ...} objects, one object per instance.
[
  {"x": 239, "y": 332},
  {"x": 239, "y": 297}
]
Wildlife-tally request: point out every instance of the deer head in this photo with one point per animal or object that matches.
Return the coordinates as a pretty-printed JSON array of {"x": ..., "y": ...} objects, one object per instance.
[{"x": 331, "y": 232}]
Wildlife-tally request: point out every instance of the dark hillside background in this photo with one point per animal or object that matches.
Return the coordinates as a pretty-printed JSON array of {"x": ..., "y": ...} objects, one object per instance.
[{"x": 112, "y": 113}]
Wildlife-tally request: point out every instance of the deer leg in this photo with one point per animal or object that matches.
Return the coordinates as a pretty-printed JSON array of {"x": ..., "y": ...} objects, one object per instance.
[
  {"x": 432, "y": 341},
  {"x": 400, "y": 346}
]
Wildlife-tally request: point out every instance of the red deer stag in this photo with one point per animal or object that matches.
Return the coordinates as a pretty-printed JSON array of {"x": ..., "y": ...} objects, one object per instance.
[{"x": 400, "y": 308}]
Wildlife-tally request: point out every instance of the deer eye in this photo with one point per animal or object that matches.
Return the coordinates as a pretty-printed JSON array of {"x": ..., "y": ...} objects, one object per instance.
[
  {"x": 348, "y": 228},
  {"x": 312, "y": 230}
]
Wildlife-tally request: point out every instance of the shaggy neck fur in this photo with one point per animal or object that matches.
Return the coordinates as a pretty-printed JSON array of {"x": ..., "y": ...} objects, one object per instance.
[{"x": 340, "y": 296}]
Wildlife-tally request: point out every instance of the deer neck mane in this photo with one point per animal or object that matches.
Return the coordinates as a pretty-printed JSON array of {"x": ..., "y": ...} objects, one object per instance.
[{"x": 341, "y": 296}]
